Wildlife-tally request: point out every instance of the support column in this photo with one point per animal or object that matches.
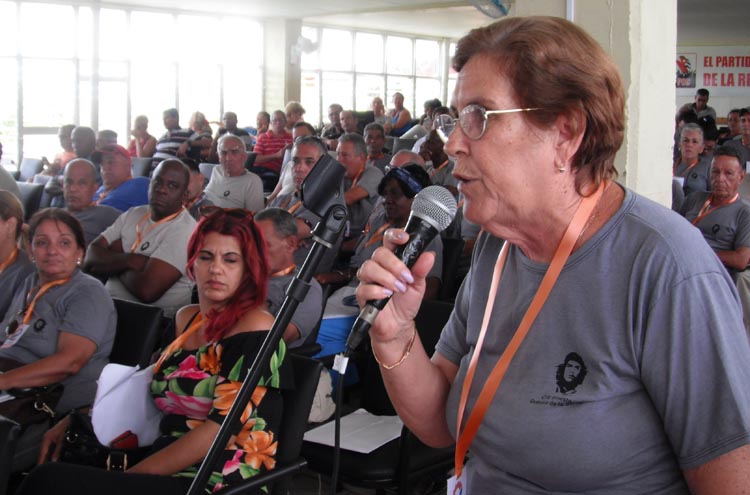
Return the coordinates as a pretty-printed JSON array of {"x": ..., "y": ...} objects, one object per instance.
[{"x": 282, "y": 70}]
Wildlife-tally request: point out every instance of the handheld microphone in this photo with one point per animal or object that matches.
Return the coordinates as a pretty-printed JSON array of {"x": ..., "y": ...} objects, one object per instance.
[{"x": 432, "y": 211}]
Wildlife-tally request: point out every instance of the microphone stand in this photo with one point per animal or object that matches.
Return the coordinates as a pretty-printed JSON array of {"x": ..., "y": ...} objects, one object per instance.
[{"x": 325, "y": 236}]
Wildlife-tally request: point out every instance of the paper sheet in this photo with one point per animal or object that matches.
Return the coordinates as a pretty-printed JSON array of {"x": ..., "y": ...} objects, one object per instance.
[{"x": 360, "y": 431}]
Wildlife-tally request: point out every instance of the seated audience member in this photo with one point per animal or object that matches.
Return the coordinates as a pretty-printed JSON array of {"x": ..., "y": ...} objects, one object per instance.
[
  {"x": 332, "y": 131},
  {"x": 306, "y": 152},
  {"x": 106, "y": 138},
  {"x": 734, "y": 131},
  {"x": 119, "y": 188},
  {"x": 83, "y": 141},
  {"x": 742, "y": 143},
  {"x": 700, "y": 105},
  {"x": 198, "y": 376},
  {"x": 406, "y": 157},
  {"x": 294, "y": 113},
  {"x": 197, "y": 198},
  {"x": 378, "y": 111},
  {"x": 176, "y": 142},
  {"x": 262, "y": 123},
  {"x": 199, "y": 123},
  {"x": 271, "y": 145},
  {"x": 15, "y": 265},
  {"x": 286, "y": 179},
  {"x": 399, "y": 117},
  {"x": 280, "y": 233},
  {"x": 143, "y": 252},
  {"x": 60, "y": 325},
  {"x": 231, "y": 185},
  {"x": 692, "y": 169},
  {"x": 228, "y": 124},
  {"x": 398, "y": 189},
  {"x": 681, "y": 119},
  {"x": 7, "y": 182},
  {"x": 201, "y": 142},
  {"x": 437, "y": 122},
  {"x": 723, "y": 219},
  {"x": 375, "y": 141},
  {"x": 438, "y": 162},
  {"x": 360, "y": 182},
  {"x": 143, "y": 144},
  {"x": 63, "y": 157},
  {"x": 79, "y": 186},
  {"x": 349, "y": 122}
]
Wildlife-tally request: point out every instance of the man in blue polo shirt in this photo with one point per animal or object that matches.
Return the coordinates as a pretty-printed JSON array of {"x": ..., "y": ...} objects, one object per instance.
[{"x": 119, "y": 188}]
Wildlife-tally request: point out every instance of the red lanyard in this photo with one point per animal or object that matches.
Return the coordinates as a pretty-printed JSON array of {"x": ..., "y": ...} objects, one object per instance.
[
  {"x": 562, "y": 253},
  {"x": 139, "y": 233},
  {"x": 30, "y": 305},
  {"x": 284, "y": 271},
  {"x": 706, "y": 209},
  {"x": 9, "y": 260},
  {"x": 179, "y": 341}
]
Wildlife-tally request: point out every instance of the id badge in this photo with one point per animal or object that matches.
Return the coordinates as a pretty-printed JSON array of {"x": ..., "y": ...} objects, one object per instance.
[
  {"x": 458, "y": 486},
  {"x": 14, "y": 337}
]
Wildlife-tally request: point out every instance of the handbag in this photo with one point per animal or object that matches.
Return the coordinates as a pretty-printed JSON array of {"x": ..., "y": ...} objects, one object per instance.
[
  {"x": 32, "y": 405},
  {"x": 80, "y": 446}
]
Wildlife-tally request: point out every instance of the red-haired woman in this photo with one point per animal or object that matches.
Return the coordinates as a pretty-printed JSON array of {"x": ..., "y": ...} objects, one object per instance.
[{"x": 198, "y": 376}]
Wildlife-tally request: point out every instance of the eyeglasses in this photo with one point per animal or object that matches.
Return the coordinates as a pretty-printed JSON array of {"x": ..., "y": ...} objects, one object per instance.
[{"x": 473, "y": 121}]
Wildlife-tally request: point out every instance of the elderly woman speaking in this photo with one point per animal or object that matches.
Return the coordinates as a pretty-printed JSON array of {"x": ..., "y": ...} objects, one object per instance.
[{"x": 656, "y": 399}]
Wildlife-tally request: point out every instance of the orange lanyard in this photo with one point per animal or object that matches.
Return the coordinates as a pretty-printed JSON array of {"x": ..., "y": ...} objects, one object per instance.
[
  {"x": 442, "y": 166},
  {"x": 284, "y": 271},
  {"x": 562, "y": 253},
  {"x": 101, "y": 197},
  {"x": 294, "y": 207},
  {"x": 30, "y": 305},
  {"x": 179, "y": 341},
  {"x": 139, "y": 233},
  {"x": 356, "y": 179},
  {"x": 705, "y": 210},
  {"x": 377, "y": 236},
  {"x": 9, "y": 260},
  {"x": 687, "y": 169}
]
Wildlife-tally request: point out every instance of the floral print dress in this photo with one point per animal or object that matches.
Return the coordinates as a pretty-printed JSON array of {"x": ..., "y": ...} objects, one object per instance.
[{"x": 193, "y": 386}]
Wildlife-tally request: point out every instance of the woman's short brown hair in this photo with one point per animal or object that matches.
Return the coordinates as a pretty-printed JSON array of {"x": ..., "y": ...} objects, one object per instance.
[
  {"x": 11, "y": 207},
  {"x": 555, "y": 65}
]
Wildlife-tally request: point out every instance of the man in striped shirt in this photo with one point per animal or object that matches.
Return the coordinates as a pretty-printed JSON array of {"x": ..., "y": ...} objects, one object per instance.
[{"x": 271, "y": 145}]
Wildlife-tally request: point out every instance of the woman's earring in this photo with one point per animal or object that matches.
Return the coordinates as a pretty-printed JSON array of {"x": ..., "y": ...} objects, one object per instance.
[
  {"x": 78, "y": 262},
  {"x": 560, "y": 168}
]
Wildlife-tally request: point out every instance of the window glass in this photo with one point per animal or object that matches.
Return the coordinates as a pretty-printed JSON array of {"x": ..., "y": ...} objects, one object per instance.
[
  {"x": 368, "y": 87},
  {"x": 310, "y": 95},
  {"x": 113, "y": 35},
  {"x": 199, "y": 93},
  {"x": 46, "y": 104},
  {"x": 118, "y": 70},
  {"x": 311, "y": 59},
  {"x": 84, "y": 105},
  {"x": 84, "y": 33},
  {"x": 152, "y": 37},
  {"x": 398, "y": 55},
  {"x": 336, "y": 50},
  {"x": 337, "y": 88},
  {"x": 369, "y": 52},
  {"x": 196, "y": 31},
  {"x": 427, "y": 89},
  {"x": 42, "y": 30},
  {"x": 8, "y": 32},
  {"x": 427, "y": 58},
  {"x": 242, "y": 92},
  {"x": 451, "y": 53},
  {"x": 451, "y": 89},
  {"x": 39, "y": 145},
  {"x": 403, "y": 85},
  {"x": 113, "y": 97},
  {"x": 8, "y": 112},
  {"x": 151, "y": 95}
]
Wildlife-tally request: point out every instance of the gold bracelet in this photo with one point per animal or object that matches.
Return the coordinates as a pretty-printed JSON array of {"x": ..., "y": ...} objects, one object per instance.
[{"x": 403, "y": 358}]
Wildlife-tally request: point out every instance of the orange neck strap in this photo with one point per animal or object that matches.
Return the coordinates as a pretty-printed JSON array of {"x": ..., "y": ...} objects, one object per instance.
[
  {"x": 139, "y": 232},
  {"x": 9, "y": 260},
  {"x": 706, "y": 208},
  {"x": 576, "y": 226},
  {"x": 377, "y": 236},
  {"x": 285, "y": 271},
  {"x": 42, "y": 290},
  {"x": 177, "y": 343}
]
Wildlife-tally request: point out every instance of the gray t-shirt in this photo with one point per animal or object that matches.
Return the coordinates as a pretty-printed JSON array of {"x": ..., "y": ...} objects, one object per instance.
[
  {"x": 359, "y": 211},
  {"x": 243, "y": 191},
  {"x": 95, "y": 219},
  {"x": 660, "y": 383},
  {"x": 166, "y": 242},
  {"x": 698, "y": 178},
  {"x": 726, "y": 228},
  {"x": 11, "y": 279},
  {"x": 81, "y": 307},
  {"x": 309, "y": 310}
]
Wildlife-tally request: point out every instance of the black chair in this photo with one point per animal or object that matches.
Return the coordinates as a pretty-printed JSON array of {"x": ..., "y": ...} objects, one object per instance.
[
  {"x": 29, "y": 168},
  {"x": 402, "y": 461},
  {"x": 9, "y": 433},
  {"x": 138, "y": 330},
  {"x": 31, "y": 197},
  {"x": 140, "y": 166},
  {"x": 297, "y": 404}
]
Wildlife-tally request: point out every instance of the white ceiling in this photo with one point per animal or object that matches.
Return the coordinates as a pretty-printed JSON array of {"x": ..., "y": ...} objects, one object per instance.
[{"x": 724, "y": 22}]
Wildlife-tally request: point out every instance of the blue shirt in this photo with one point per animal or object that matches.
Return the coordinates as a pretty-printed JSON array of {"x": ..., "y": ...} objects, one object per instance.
[{"x": 132, "y": 192}]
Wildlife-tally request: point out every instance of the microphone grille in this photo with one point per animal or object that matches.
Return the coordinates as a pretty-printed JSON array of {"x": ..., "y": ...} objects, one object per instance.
[{"x": 436, "y": 205}]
